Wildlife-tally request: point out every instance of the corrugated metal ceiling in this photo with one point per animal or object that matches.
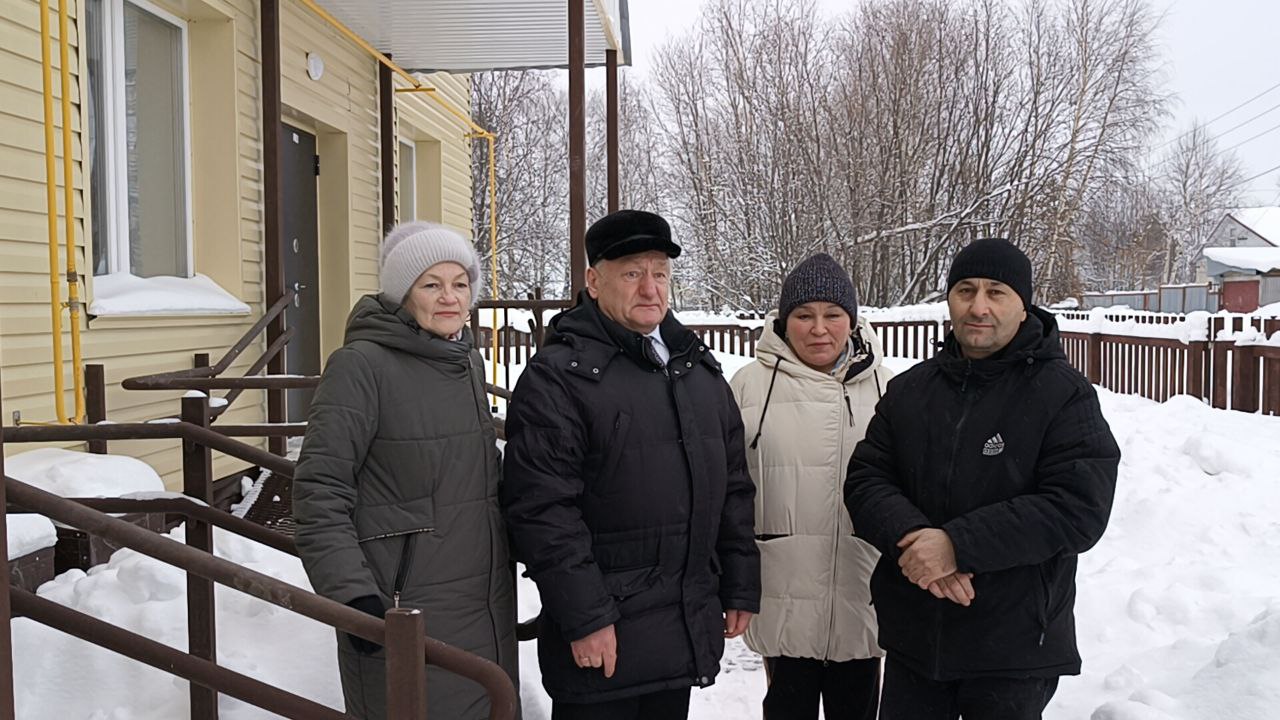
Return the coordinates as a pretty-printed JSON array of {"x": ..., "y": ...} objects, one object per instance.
[{"x": 477, "y": 35}]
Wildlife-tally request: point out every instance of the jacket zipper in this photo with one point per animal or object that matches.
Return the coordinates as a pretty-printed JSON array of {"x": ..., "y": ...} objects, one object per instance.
[
  {"x": 946, "y": 490},
  {"x": 493, "y": 620},
  {"x": 402, "y": 572},
  {"x": 835, "y": 537}
]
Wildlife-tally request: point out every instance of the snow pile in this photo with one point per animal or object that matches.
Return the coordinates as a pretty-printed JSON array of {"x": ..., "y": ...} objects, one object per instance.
[
  {"x": 1178, "y": 613},
  {"x": 1272, "y": 310},
  {"x": 1193, "y": 328},
  {"x": 934, "y": 312},
  {"x": 28, "y": 533},
  {"x": 75, "y": 474},
  {"x": 702, "y": 317},
  {"x": 148, "y": 597},
  {"x": 125, "y": 294}
]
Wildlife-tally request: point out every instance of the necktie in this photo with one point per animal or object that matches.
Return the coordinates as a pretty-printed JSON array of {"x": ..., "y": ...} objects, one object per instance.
[{"x": 651, "y": 352}]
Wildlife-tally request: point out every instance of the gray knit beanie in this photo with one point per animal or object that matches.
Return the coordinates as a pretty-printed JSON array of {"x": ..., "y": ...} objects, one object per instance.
[
  {"x": 818, "y": 279},
  {"x": 412, "y": 247}
]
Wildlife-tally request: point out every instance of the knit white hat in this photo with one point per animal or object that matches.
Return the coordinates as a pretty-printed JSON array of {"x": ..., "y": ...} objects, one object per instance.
[{"x": 412, "y": 247}]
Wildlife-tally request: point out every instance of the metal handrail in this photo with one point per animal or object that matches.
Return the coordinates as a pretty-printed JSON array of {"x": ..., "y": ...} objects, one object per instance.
[
  {"x": 208, "y": 437},
  {"x": 145, "y": 382},
  {"x": 206, "y": 565}
]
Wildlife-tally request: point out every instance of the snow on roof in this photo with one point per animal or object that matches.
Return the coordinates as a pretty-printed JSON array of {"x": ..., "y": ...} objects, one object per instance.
[
  {"x": 1261, "y": 259},
  {"x": 125, "y": 294},
  {"x": 77, "y": 474},
  {"x": 1265, "y": 221}
]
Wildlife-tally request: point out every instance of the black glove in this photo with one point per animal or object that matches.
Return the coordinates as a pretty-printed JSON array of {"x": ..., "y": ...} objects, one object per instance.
[{"x": 373, "y": 605}]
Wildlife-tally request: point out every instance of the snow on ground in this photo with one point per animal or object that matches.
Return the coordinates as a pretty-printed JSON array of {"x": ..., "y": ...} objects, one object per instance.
[
  {"x": 149, "y": 597},
  {"x": 1178, "y": 612}
]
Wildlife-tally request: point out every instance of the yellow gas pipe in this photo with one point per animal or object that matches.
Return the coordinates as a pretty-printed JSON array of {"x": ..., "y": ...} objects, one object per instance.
[{"x": 55, "y": 290}]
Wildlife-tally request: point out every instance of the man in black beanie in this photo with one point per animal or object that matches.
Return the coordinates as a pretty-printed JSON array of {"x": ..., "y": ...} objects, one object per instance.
[{"x": 986, "y": 470}]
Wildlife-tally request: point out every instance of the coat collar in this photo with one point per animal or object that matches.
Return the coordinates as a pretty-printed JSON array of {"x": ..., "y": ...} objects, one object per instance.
[{"x": 598, "y": 340}]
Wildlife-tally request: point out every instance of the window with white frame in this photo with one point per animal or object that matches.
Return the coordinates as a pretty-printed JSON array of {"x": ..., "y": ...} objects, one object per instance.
[
  {"x": 407, "y": 182},
  {"x": 139, "y": 139}
]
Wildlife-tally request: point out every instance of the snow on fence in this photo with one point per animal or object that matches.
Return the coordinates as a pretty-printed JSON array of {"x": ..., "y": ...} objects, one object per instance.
[{"x": 1228, "y": 360}]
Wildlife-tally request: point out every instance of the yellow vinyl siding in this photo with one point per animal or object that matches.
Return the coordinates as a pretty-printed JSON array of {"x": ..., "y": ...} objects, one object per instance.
[{"x": 229, "y": 232}]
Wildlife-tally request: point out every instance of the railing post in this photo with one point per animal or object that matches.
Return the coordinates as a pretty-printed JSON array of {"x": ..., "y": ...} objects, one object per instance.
[
  {"x": 95, "y": 403},
  {"x": 6, "y": 639},
  {"x": 1244, "y": 379},
  {"x": 1196, "y": 352},
  {"x": 1094, "y": 363},
  {"x": 406, "y": 664},
  {"x": 197, "y": 482}
]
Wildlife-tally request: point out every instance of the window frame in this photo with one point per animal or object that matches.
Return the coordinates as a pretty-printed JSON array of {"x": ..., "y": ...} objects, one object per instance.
[
  {"x": 408, "y": 180},
  {"x": 115, "y": 143}
]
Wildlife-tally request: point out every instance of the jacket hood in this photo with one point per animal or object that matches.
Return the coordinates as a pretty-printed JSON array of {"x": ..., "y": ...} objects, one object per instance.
[
  {"x": 860, "y": 363},
  {"x": 375, "y": 319},
  {"x": 1036, "y": 342}
]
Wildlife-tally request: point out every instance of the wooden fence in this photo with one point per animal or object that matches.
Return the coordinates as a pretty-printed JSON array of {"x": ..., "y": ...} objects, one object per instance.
[{"x": 1223, "y": 374}]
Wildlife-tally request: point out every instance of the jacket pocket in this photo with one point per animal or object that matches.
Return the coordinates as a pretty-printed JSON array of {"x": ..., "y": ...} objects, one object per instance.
[
  {"x": 374, "y": 522},
  {"x": 628, "y": 583}
]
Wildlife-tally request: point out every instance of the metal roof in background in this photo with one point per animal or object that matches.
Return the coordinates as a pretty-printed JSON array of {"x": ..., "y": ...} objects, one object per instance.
[{"x": 478, "y": 35}]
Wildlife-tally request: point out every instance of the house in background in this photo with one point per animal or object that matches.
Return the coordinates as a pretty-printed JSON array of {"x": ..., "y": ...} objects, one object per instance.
[{"x": 1243, "y": 258}]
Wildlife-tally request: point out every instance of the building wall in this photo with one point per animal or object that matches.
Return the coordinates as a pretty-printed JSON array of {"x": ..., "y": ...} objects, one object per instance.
[{"x": 227, "y": 212}]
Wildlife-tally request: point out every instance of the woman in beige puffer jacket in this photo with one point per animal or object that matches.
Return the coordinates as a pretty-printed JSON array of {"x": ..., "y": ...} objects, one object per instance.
[{"x": 805, "y": 403}]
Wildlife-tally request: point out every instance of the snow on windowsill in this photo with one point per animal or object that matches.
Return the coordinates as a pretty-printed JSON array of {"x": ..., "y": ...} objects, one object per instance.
[{"x": 125, "y": 295}]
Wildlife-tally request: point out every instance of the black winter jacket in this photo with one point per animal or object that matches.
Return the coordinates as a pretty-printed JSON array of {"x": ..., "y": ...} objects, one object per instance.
[
  {"x": 627, "y": 496},
  {"x": 1012, "y": 457}
]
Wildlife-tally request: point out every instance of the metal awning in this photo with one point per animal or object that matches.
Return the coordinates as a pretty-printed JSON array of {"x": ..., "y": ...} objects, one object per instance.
[{"x": 477, "y": 35}]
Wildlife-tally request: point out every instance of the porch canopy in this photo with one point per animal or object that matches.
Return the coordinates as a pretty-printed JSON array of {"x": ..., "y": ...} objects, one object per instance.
[
  {"x": 461, "y": 36},
  {"x": 1245, "y": 260}
]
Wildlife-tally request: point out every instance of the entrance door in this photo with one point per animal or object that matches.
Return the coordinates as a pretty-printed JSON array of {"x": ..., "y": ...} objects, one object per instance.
[{"x": 301, "y": 261}]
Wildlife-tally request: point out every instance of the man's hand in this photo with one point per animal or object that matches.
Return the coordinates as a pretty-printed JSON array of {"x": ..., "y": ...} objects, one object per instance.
[
  {"x": 957, "y": 588},
  {"x": 599, "y": 649},
  {"x": 736, "y": 622},
  {"x": 927, "y": 556}
]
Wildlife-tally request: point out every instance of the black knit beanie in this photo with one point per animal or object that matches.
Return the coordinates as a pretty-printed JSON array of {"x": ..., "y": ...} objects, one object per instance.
[
  {"x": 818, "y": 279},
  {"x": 993, "y": 259}
]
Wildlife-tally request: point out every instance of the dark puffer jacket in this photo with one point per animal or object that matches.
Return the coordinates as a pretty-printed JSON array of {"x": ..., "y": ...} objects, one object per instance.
[
  {"x": 397, "y": 489},
  {"x": 1012, "y": 457},
  {"x": 627, "y": 495}
]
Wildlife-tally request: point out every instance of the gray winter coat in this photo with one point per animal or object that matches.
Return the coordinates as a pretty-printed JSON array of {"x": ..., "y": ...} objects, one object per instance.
[{"x": 396, "y": 490}]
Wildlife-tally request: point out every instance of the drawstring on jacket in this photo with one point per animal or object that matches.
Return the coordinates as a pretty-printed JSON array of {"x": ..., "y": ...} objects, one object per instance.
[{"x": 755, "y": 442}]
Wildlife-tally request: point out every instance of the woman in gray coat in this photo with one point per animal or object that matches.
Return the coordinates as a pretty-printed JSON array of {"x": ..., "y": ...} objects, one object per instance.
[{"x": 395, "y": 494}]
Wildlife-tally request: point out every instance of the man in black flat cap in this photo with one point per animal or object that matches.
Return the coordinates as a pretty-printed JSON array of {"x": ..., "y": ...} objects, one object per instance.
[
  {"x": 984, "y": 473},
  {"x": 626, "y": 491}
]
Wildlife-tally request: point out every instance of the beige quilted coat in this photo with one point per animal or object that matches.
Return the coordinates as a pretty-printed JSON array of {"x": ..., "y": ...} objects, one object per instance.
[{"x": 815, "y": 602}]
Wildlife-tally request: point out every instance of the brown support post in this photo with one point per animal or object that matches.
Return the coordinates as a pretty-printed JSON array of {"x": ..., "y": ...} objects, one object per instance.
[
  {"x": 1244, "y": 378},
  {"x": 273, "y": 200},
  {"x": 406, "y": 664},
  {"x": 611, "y": 99},
  {"x": 577, "y": 149},
  {"x": 6, "y": 639},
  {"x": 387, "y": 125},
  {"x": 95, "y": 403},
  {"x": 197, "y": 482}
]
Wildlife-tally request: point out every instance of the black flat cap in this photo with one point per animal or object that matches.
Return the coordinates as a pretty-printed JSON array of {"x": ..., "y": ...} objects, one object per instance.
[{"x": 627, "y": 232}]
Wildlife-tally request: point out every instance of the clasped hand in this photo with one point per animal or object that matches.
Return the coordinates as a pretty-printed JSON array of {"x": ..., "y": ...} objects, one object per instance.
[{"x": 929, "y": 560}]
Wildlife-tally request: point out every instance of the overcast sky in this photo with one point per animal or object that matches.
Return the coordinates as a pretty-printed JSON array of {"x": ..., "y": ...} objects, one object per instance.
[{"x": 1220, "y": 54}]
